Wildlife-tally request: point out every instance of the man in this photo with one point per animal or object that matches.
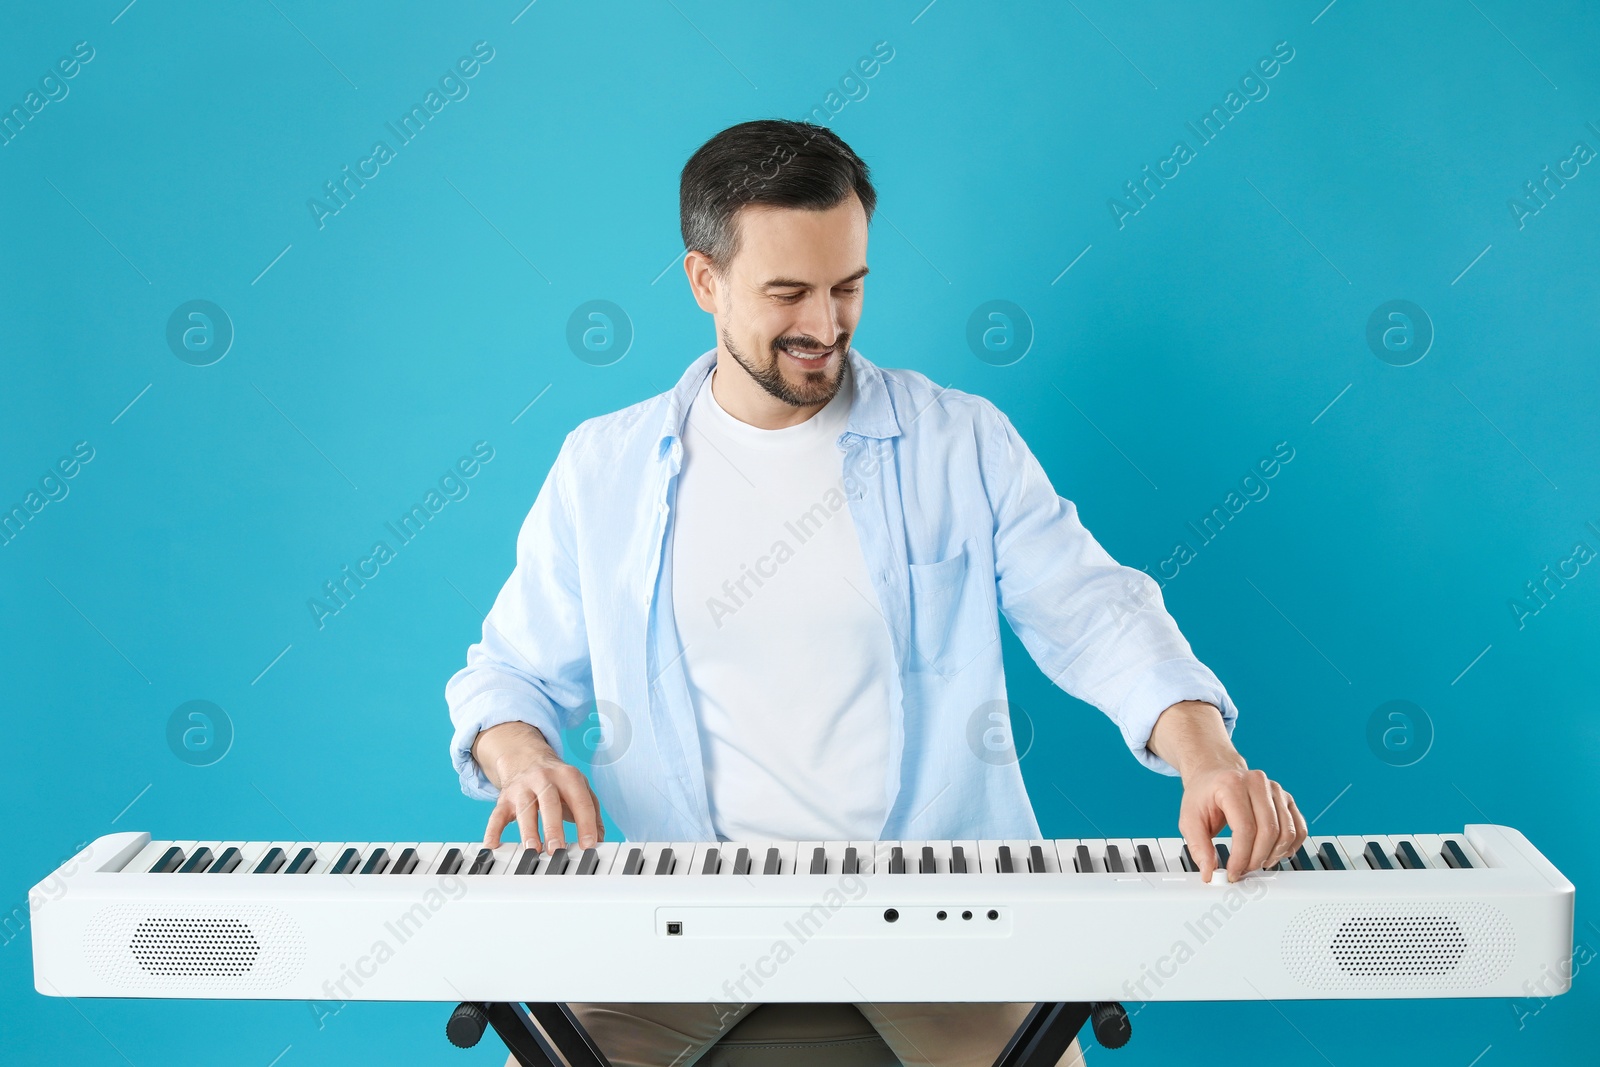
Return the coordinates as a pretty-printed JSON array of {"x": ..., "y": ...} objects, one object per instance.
[{"x": 782, "y": 580}]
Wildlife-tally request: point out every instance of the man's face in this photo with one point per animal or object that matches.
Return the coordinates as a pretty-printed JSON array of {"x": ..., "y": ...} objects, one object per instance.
[{"x": 792, "y": 297}]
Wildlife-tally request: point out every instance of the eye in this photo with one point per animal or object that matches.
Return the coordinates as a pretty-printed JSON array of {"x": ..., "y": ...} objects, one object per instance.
[
  {"x": 850, "y": 290},
  {"x": 789, "y": 298}
]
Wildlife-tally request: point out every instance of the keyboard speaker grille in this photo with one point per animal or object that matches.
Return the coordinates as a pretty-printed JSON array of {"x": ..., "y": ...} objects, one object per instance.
[
  {"x": 1401, "y": 946},
  {"x": 219, "y": 947}
]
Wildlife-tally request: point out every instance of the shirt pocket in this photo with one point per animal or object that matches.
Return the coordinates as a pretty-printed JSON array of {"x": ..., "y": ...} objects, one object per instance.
[{"x": 935, "y": 602}]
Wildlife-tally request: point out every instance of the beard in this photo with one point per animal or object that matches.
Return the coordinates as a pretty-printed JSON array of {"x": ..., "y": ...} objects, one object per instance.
[{"x": 813, "y": 386}]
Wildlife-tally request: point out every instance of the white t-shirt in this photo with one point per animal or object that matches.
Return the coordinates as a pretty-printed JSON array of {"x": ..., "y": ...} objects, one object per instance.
[{"x": 788, "y": 659}]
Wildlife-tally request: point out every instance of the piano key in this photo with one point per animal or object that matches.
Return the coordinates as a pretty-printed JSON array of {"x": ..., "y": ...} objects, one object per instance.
[
  {"x": 958, "y": 859},
  {"x": 852, "y": 861},
  {"x": 1144, "y": 861},
  {"x": 198, "y": 861},
  {"x": 1375, "y": 857},
  {"x": 1036, "y": 863},
  {"x": 1188, "y": 860},
  {"x": 304, "y": 862},
  {"x": 867, "y": 856},
  {"x": 589, "y": 862},
  {"x": 171, "y": 859},
  {"x": 1153, "y": 860},
  {"x": 1301, "y": 860},
  {"x": 450, "y": 861},
  {"x": 227, "y": 862},
  {"x": 558, "y": 862},
  {"x": 634, "y": 863},
  {"x": 1406, "y": 852},
  {"x": 1223, "y": 855},
  {"x": 664, "y": 861},
  {"x": 926, "y": 863},
  {"x": 1329, "y": 856},
  {"x": 141, "y": 861},
  {"x": 1454, "y": 854},
  {"x": 404, "y": 863},
  {"x": 1346, "y": 857},
  {"x": 271, "y": 862},
  {"x": 1114, "y": 860},
  {"x": 819, "y": 860},
  {"x": 741, "y": 861},
  {"x": 1082, "y": 859},
  {"x": 528, "y": 863},
  {"x": 897, "y": 860},
  {"x": 1003, "y": 862},
  {"x": 482, "y": 861},
  {"x": 773, "y": 864},
  {"x": 377, "y": 862},
  {"x": 712, "y": 863}
]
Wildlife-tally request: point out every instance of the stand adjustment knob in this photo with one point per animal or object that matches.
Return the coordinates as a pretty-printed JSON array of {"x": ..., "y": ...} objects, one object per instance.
[
  {"x": 467, "y": 1024},
  {"x": 1110, "y": 1023}
]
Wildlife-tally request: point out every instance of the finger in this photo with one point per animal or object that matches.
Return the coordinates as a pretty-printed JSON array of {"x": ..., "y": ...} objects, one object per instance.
[
  {"x": 550, "y": 816},
  {"x": 1286, "y": 826},
  {"x": 1239, "y": 811},
  {"x": 581, "y": 803},
  {"x": 527, "y": 812},
  {"x": 1266, "y": 812},
  {"x": 499, "y": 819},
  {"x": 599, "y": 823},
  {"x": 1302, "y": 831}
]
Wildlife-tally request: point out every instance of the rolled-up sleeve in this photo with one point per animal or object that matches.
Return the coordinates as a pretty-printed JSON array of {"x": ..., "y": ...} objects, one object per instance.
[
  {"x": 1099, "y": 630},
  {"x": 532, "y": 664}
]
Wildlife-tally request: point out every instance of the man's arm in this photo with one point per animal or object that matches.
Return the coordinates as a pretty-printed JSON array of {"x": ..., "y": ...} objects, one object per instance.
[
  {"x": 1218, "y": 789},
  {"x": 527, "y": 678},
  {"x": 1101, "y": 632}
]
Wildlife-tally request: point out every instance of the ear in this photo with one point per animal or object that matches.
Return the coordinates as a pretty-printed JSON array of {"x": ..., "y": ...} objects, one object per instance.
[{"x": 702, "y": 280}]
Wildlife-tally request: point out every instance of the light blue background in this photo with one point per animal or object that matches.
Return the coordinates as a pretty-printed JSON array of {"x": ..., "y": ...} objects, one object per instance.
[{"x": 1225, "y": 317}]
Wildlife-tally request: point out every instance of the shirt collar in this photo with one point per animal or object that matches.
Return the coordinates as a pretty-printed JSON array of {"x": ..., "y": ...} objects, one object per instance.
[{"x": 871, "y": 410}]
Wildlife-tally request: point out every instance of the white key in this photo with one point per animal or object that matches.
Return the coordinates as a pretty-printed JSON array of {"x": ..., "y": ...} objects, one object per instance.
[{"x": 866, "y": 856}]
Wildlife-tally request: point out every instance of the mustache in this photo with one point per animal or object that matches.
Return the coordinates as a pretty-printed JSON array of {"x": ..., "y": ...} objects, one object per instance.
[{"x": 804, "y": 341}]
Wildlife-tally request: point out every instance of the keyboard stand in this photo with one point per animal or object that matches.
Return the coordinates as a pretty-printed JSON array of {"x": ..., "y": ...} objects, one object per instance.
[{"x": 545, "y": 1035}]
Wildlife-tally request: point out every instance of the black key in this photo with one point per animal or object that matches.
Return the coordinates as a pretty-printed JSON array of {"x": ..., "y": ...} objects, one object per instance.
[
  {"x": 1301, "y": 860},
  {"x": 1222, "y": 855},
  {"x": 271, "y": 863},
  {"x": 589, "y": 862},
  {"x": 451, "y": 862},
  {"x": 772, "y": 865},
  {"x": 664, "y": 862},
  {"x": 405, "y": 863},
  {"x": 198, "y": 862},
  {"x": 1187, "y": 861},
  {"x": 1004, "y": 860},
  {"x": 852, "y": 862},
  {"x": 1114, "y": 860},
  {"x": 1375, "y": 857},
  {"x": 819, "y": 860},
  {"x": 483, "y": 862},
  {"x": 348, "y": 861},
  {"x": 1143, "y": 861},
  {"x": 635, "y": 861},
  {"x": 227, "y": 862},
  {"x": 376, "y": 863},
  {"x": 958, "y": 860},
  {"x": 1036, "y": 859},
  {"x": 303, "y": 861},
  {"x": 558, "y": 862},
  {"x": 170, "y": 861},
  {"x": 1454, "y": 856},
  {"x": 741, "y": 861},
  {"x": 927, "y": 864},
  {"x": 529, "y": 861},
  {"x": 1330, "y": 857},
  {"x": 897, "y": 860},
  {"x": 1081, "y": 861},
  {"x": 713, "y": 862},
  {"x": 1406, "y": 853}
]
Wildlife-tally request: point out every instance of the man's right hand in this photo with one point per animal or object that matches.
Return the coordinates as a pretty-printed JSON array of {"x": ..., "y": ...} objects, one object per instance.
[{"x": 536, "y": 788}]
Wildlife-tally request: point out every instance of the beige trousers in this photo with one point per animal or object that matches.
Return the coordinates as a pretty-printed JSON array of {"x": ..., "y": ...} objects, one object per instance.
[{"x": 921, "y": 1035}]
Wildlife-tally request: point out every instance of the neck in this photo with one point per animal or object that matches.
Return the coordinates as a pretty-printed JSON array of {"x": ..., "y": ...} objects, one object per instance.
[{"x": 739, "y": 395}]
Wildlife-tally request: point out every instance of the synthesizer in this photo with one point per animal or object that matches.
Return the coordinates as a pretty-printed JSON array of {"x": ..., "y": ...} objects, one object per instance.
[{"x": 1475, "y": 914}]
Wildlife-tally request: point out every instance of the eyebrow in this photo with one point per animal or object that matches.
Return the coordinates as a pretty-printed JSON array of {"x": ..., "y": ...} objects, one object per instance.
[{"x": 790, "y": 283}]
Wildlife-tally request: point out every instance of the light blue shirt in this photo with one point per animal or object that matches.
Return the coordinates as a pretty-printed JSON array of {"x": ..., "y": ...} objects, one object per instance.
[{"x": 957, "y": 523}]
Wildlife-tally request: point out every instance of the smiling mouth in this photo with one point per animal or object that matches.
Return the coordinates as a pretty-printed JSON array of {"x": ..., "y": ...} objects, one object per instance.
[{"x": 809, "y": 360}]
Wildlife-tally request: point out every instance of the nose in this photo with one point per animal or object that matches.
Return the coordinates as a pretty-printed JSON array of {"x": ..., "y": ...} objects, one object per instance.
[{"x": 820, "y": 319}]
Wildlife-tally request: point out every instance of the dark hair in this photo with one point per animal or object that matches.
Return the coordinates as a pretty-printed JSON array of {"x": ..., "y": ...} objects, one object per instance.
[{"x": 770, "y": 162}]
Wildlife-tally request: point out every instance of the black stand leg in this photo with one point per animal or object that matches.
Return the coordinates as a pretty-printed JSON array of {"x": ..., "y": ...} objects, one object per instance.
[
  {"x": 1045, "y": 1034},
  {"x": 562, "y": 1037}
]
